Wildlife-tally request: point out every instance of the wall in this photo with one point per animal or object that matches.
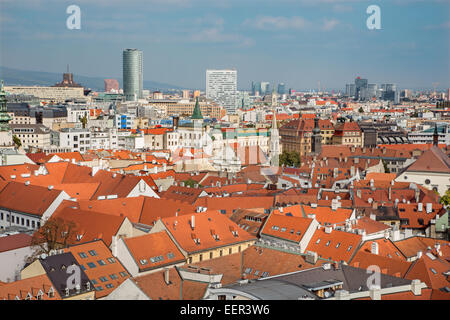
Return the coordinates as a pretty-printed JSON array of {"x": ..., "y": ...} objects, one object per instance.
[{"x": 12, "y": 262}]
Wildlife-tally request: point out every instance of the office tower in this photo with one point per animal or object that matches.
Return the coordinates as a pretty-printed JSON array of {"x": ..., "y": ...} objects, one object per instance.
[
  {"x": 371, "y": 91},
  {"x": 359, "y": 84},
  {"x": 448, "y": 94},
  {"x": 281, "y": 88},
  {"x": 111, "y": 85},
  {"x": 256, "y": 88},
  {"x": 350, "y": 90},
  {"x": 264, "y": 88},
  {"x": 221, "y": 86},
  {"x": 133, "y": 72}
]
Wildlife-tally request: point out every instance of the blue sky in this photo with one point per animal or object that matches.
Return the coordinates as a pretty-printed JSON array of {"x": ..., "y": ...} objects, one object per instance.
[{"x": 298, "y": 42}]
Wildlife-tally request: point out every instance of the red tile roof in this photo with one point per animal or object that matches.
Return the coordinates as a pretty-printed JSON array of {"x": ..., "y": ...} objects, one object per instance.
[
  {"x": 207, "y": 225},
  {"x": 15, "y": 241},
  {"x": 107, "y": 266},
  {"x": 147, "y": 247}
]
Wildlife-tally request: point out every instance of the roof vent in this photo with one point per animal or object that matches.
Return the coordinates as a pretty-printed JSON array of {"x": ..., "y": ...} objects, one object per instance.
[{"x": 50, "y": 187}]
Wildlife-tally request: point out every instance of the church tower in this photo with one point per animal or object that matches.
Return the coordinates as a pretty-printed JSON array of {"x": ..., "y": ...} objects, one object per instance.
[
  {"x": 316, "y": 138},
  {"x": 435, "y": 136},
  {"x": 274, "y": 97},
  {"x": 274, "y": 150}
]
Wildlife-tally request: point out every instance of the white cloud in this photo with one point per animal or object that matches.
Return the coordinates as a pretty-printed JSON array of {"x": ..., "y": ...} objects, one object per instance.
[
  {"x": 277, "y": 23},
  {"x": 330, "y": 24}
]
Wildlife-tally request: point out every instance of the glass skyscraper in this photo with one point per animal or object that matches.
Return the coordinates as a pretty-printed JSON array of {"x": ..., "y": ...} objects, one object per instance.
[{"x": 133, "y": 71}]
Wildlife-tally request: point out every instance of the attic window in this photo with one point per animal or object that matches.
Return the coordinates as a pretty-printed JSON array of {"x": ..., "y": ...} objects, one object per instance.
[
  {"x": 111, "y": 260},
  {"x": 318, "y": 241},
  {"x": 349, "y": 248},
  {"x": 338, "y": 245},
  {"x": 283, "y": 229},
  {"x": 276, "y": 228},
  {"x": 328, "y": 243},
  {"x": 170, "y": 255},
  {"x": 432, "y": 270},
  {"x": 92, "y": 252},
  {"x": 143, "y": 261},
  {"x": 298, "y": 233}
]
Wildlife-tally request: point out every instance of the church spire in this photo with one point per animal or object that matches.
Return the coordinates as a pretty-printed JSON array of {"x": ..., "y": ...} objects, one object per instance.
[
  {"x": 435, "y": 136},
  {"x": 197, "y": 114}
]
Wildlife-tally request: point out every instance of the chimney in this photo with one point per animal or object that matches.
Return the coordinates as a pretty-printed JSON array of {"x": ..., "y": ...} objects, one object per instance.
[
  {"x": 437, "y": 246},
  {"x": 358, "y": 193},
  {"x": 374, "y": 248},
  {"x": 27, "y": 183},
  {"x": 166, "y": 276},
  {"x": 328, "y": 229},
  {"x": 419, "y": 254},
  {"x": 429, "y": 207},
  {"x": 420, "y": 207},
  {"x": 384, "y": 150},
  {"x": 375, "y": 205},
  {"x": 192, "y": 222},
  {"x": 50, "y": 187},
  {"x": 417, "y": 195},
  {"x": 114, "y": 246},
  {"x": 416, "y": 288},
  {"x": 390, "y": 193}
]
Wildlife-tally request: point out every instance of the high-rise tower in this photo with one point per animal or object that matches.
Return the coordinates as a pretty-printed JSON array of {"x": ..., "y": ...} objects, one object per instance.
[{"x": 133, "y": 71}]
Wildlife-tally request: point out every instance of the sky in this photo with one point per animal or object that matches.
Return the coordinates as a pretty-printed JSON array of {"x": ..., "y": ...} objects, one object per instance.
[{"x": 297, "y": 42}]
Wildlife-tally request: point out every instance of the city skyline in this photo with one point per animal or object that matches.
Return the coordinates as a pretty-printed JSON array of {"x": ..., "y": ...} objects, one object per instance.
[{"x": 304, "y": 42}]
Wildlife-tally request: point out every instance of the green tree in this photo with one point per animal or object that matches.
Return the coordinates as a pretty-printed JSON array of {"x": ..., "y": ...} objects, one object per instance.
[
  {"x": 83, "y": 121},
  {"x": 445, "y": 199},
  {"x": 361, "y": 110},
  {"x": 290, "y": 158},
  {"x": 191, "y": 183},
  {"x": 17, "y": 141}
]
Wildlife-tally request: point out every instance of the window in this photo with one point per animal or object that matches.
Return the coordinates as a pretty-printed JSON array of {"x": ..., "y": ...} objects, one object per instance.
[
  {"x": 298, "y": 233},
  {"x": 328, "y": 243},
  {"x": 248, "y": 270},
  {"x": 123, "y": 274},
  {"x": 91, "y": 265},
  {"x": 170, "y": 255},
  {"x": 103, "y": 279},
  {"x": 111, "y": 260},
  {"x": 337, "y": 246},
  {"x": 427, "y": 181},
  {"x": 99, "y": 288},
  {"x": 210, "y": 255},
  {"x": 256, "y": 272},
  {"x": 82, "y": 267},
  {"x": 143, "y": 261},
  {"x": 82, "y": 255},
  {"x": 101, "y": 262},
  {"x": 113, "y": 276},
  {"x": 109, "y": 286},
  {"x": 283, "y": 229},
  {"x": 92, "y": 252},
  {"x": 94, "y": 281},
  {"x": 349, "y": 248}
]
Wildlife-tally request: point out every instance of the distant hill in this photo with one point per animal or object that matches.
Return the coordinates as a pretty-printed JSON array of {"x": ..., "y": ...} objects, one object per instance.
[{"x": 16, "y": 77}]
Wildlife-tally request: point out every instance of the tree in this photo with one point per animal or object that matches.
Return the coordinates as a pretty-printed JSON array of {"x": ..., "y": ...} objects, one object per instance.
[
  {"x": 290, "y": 158},
  {"x": 83, "y": 121},
  {"x": 445, "y": 199},
  {"x": 54, "y": 234},
  {"x": 191, "y": 183},
  {"x": 17, "y": 141},
  {"x": 361, "y": 110}
]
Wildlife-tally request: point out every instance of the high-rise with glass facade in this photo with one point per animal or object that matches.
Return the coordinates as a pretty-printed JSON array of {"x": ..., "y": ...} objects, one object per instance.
[
  {"x": 133, "y": 71},
  {"x": 221, "y": 86}
]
